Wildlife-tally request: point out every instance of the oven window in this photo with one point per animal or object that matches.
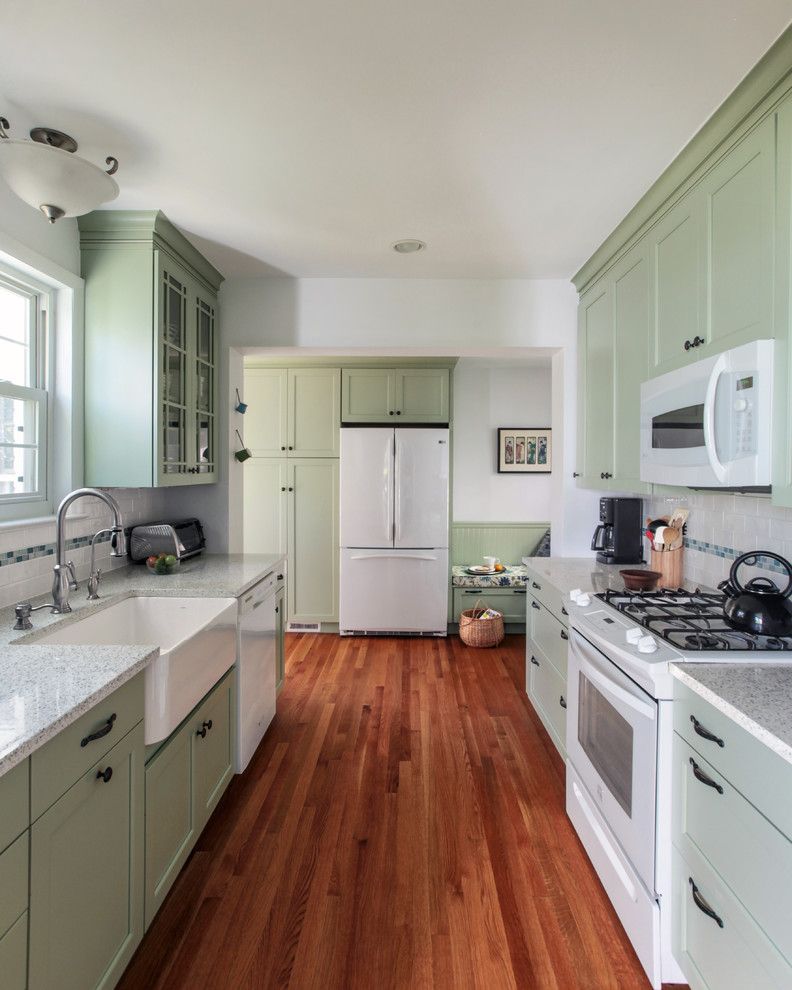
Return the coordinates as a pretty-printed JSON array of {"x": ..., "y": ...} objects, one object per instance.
[
  {"x": 607, "y": 740},
  {"x": 679, "y": 428}
]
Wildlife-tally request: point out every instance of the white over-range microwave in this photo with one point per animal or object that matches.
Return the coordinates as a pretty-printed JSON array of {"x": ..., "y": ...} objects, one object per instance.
[{"x": 709, "y": 424}]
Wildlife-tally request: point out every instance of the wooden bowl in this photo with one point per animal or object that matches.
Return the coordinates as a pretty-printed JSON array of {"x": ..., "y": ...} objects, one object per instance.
[{"x": 635, "y": 580}]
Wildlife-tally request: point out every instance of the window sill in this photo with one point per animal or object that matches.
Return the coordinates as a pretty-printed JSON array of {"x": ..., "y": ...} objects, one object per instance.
[{"x": 11, "y": 524}]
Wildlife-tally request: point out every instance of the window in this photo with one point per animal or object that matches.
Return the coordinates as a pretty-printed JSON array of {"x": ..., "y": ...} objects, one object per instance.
[{"x": 24, "y": 373}]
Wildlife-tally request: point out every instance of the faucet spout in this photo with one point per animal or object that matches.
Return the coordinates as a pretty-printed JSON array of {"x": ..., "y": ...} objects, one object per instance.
[{"x": 64, "y": 577}]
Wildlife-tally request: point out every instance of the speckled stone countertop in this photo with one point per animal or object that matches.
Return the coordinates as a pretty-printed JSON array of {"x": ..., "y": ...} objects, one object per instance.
[
  {"x": 757, "y": 696},
  {"x": 44, "y": 688},
  {"x": 586, "y": 573}
]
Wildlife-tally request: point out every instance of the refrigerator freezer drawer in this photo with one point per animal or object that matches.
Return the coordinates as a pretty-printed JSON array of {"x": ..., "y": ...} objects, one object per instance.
[{"x": 394, "y": 591}]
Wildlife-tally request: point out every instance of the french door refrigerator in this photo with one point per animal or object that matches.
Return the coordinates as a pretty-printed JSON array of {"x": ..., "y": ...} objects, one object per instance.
[{"x": 394, "y": 530}]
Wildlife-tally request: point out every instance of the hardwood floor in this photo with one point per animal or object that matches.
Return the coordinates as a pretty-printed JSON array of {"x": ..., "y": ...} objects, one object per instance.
[{"x": 401, "y": 826}]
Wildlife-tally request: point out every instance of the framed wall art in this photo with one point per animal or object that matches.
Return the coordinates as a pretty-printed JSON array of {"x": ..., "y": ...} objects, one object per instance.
[{"x": 525, "y": 450}]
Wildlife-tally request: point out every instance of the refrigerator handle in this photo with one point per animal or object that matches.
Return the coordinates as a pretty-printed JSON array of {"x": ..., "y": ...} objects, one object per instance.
[{"x": 396, "y": 489}]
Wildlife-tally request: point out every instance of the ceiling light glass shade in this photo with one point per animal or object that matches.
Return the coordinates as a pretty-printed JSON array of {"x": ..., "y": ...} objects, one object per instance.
[{"x": 53, "y": 180}]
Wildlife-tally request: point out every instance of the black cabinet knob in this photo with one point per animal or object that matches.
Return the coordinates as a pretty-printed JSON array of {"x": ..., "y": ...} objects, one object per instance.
[
  {"x": 398, "y": 412},
  {"x": 562, "y": 701},
  {"x": 291, "y": 489},
  {"x": 688, "y": 345},
  {"x": 105, "y": 775},
  {"x": 390, "y": 413},
  {"x": 283, "y": 448},
  {"x": 283, "y": 489},
  {"x": 698, "y": 341},
  {"x": 291, "y": 448},
  {"x": 576, "y": 474},
  {"x": 205, "y": 727}
]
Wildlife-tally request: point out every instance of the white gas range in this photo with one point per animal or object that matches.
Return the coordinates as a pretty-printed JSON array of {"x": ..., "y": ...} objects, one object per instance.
[{"x": 619, "y": 741}]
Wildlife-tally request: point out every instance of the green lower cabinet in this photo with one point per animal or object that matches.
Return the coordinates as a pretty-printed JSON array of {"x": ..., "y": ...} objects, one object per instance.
[
  {"x": 509, "y": 601},
  {"x": 212, "y": 729},
  {"x": 14, "y": 803},
  {"x": 14, "y": 881},
  {"x": 13, "y": 955},
  {"x": 280, "y": 646},
  {"x": 86, "y": 877},
  {"x": 170, "y": 821},
  {"x": 547, "y": 691}
]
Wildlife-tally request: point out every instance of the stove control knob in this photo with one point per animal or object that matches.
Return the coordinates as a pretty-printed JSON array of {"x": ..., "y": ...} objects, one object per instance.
[
  {"x": 575, "y": 594},
  {"x": 647, "y": 644},
  {"x": 633, "y": 635},
  {"x": 583, "y": 599}
]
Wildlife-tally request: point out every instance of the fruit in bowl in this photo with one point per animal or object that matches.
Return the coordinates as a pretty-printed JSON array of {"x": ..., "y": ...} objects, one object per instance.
[{"x": 163, "y": 563}]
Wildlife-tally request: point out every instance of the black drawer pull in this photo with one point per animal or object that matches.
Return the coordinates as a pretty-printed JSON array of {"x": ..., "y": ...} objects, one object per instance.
[
  {"x": 519, "y": 591},
  {"x": 107, "y": 727},
  {"x": 564, "y": 611},
  {"x": 104, "y": 775},
  {"x": 564, "y": 634},
  {"x": 562, "y": 701},
  {"x": 699, "y": 774},
  {"x": 535, "y": 585},
  {"x": 699, "y": 729},
  {"x": 535, "y": 662},
  {"x": 702, "y": 905},
  {"x": 204, "y": 729},
  {"x": 534, "y": 605}
]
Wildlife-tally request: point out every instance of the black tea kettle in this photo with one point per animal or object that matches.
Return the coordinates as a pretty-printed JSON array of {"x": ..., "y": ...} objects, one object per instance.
[{"x": 759, "y": 607}]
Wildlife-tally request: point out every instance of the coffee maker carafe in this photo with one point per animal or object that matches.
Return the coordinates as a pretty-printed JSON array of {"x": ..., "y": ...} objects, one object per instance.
[{"x": 618, "y": 537}]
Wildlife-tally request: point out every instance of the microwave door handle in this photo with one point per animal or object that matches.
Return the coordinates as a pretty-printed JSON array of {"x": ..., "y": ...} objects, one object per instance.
[{"x": 718, "y": 468}]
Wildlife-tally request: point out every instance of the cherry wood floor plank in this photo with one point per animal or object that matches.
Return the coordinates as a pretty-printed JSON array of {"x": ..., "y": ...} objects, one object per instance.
[{"x": 402, "y": 826}]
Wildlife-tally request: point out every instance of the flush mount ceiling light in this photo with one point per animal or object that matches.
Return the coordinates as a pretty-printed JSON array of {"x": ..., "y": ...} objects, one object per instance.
[
  {"x": 46, "y": 173},
  {"x": 408, "y": 246}
]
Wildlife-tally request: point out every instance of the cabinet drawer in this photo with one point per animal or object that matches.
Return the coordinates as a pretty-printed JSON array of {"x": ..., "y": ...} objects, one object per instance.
[
  {"x": 14, "y": 882},
  {"x": 751, "y": 856},
  {"x": 547, "y": 691},
  {"x": 64, "y": 759},
  {"x": 754, "y": 769},
  {"x": 14, "y": 803},
  {"x": 550, "y": 636},
  {"x": 13, "y": 955},
  {"x": 509, "y": 601},
  {"x": 547, "y": 595},
  {"x": 733, "y": 957}
]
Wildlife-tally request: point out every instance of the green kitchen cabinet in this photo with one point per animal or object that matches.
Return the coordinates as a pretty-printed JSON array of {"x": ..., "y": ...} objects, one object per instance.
[
  {"x": 630, "y": 282},
  {"x": 782, "y": 405},
  {"x": 86, "y": 875},
  {"x": 266, "y": 505},
  {"x": 739, "y": 203},
  {"x": 313, "y": 513},
  {"x": 395, "y": 395},
  {"x": 676, "y": 249},
  {"x": 546, "y": 645},
  {"x": 265, "y": 423},
  {"x": 314, "y": 418},
  {"x": 595, "y": 340},
  {"x": 212, "y": 729},
  {"x": 280, "y": 645},
  {"x": 151, "y": 353},
  {"x": 14, "y": 803},
  {"x": 510, "y": 602},
  {"x": 14, "y": 955}
]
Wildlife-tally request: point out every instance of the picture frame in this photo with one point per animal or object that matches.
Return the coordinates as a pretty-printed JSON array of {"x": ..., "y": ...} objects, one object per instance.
[{"x": 525, "y": 450}]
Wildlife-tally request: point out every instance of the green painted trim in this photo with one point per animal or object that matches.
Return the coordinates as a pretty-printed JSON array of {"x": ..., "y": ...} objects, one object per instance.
[
  {"x": 341, "y": 361},
  {"x": 150, "y": 227},
  {"x": 509, "y": 541},
  {"x": 766, "y": 85}
]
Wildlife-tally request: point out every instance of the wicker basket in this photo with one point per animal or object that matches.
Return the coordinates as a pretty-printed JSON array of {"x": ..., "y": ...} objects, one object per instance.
[{"x": 480, "y": 632}]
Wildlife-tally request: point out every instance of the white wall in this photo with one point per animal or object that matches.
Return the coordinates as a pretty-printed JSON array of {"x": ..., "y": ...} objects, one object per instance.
[
  {"x": 487, "y": 396},
  {"x": 429, "y": 316},
  {"x": 59, "y": 242}
]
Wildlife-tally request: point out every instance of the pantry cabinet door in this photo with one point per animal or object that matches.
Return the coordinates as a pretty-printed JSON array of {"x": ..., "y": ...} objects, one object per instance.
[
  {"x": 422, "y": 395},
  {"x": 314, "y": 417},
  {"x": 596, "y": 343},
  {"x": 677, "y": 285},
  {"x": 739, "y": 197},
  {"x": 313, "y": 540},
  {"x": 368, "y": 395},
  {"x": 264, "y": 423},
  {"x": 265, "y": 505},
  {"x": 630, "y": 282}
]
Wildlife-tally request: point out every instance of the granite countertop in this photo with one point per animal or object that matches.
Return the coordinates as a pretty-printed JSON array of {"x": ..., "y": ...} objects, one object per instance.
[
  {"x": 754, "y": 695},
  {"x": 514, "y": 576},
  {"x": 44, "y": 688},
  {"x": 586, "y": 573}
]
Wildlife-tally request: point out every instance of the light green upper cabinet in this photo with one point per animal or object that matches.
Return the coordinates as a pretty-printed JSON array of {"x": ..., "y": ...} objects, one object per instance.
[
  {"x": 395, "y": 395},
  {"x": 595, "y": 341},
  {"x": 314, "y": 412},
  {"x": 630, "y": 364},
  {"x": 739, "y": 195},
  {"x": 782, "y": 407},
  {"x": 677, "y": 284},
  {"x": 313, "y": 540},
  {"x": 150, "y": 353},
  {"x": 265, "y": 421}
]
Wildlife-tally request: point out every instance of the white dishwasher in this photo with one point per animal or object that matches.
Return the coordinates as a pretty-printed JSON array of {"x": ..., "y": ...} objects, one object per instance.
[{"x": 256, "y": 673}]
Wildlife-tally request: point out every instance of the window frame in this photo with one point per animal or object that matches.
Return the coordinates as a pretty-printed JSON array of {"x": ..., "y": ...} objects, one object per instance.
[{"x": 40, "y": 370}]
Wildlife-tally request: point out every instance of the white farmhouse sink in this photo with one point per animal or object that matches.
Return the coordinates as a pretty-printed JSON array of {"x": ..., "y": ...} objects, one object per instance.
[{"x": 197, "y": 641}]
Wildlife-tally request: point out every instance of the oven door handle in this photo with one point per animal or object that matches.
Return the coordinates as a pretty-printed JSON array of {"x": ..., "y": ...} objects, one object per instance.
[
  {"x": 608, "y": 686},
  {"x": 710, "y": 440}
]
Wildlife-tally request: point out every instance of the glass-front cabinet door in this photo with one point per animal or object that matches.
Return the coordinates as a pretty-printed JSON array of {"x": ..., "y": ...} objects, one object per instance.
[{"x": 187, "y": 378}]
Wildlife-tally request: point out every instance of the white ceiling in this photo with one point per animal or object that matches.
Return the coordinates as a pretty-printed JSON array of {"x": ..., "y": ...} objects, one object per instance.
[{"x": 304, "y": 136}]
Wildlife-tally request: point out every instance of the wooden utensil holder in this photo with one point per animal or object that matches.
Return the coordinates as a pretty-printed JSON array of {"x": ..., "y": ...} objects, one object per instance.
[{"x": 670, "y": 564}]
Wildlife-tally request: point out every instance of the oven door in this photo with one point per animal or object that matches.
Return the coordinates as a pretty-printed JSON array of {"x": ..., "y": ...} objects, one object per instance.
[{"x": 612, "y": 744}]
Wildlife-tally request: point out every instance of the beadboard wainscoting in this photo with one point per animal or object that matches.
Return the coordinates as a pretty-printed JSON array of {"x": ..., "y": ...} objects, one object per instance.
[
  {"x": 721, "y": 527},
  {"x": 27, "y": 551}
]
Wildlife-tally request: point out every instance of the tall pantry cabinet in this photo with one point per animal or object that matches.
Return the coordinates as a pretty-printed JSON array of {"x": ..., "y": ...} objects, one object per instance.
[{"x": 292, "y": 427}]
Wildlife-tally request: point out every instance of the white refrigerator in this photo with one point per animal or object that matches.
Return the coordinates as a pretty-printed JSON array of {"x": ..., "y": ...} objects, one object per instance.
[{"x": 394, "y": 530}]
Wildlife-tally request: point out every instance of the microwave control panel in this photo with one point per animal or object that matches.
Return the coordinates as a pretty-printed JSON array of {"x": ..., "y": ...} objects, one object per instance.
[{"x": 741, "y": 390}]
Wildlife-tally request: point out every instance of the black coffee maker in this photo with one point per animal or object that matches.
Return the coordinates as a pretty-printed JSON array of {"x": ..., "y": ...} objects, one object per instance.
[{"x": 618, "y": 539}]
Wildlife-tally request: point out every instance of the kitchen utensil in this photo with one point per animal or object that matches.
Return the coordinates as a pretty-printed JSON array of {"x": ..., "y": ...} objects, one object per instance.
[
  {"x": 758, "y": 606},
  {"x": 672, "y": 537},
  {"x": 635, "y": 580},
  {"x": 490, "y": 562},
  {"x": 240, "y": 407},
  {"x": 660, "y": 538},
  {"x": 678, "y": 518},
  {"x": 244, "y": 453}
]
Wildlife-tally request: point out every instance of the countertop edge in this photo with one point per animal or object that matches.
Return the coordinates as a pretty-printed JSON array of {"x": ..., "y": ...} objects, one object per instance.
[{"x": 765, "y": 736}]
